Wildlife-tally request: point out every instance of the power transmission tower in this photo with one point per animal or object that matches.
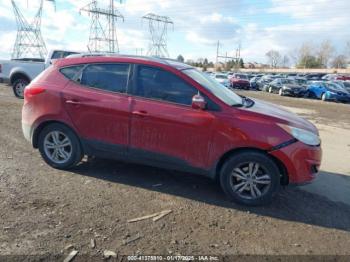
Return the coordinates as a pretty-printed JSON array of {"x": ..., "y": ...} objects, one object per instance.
[
  {"x": 158, "y": 29},
  {"x": 29, "y": 41},
  {"x": 103, "y": 35}
]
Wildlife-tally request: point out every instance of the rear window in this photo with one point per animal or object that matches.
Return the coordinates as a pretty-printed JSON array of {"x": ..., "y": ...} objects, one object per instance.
[{"x": 70, "y": 72}]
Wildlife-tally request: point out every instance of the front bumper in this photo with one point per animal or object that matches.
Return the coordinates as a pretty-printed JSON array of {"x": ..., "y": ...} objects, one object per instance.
[
  {"x": 340, "y": 98},
  {"x": 294, "y": 92},
  {"x": 243, "y": 85},
  {"x": 302, "y": 162},
  {"x": 27, "y": 132}
]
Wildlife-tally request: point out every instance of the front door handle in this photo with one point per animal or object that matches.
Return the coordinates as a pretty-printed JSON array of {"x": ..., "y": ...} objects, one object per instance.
[
  {"x": 140, "y": 113},
  {"x": 73, "y": 102}
]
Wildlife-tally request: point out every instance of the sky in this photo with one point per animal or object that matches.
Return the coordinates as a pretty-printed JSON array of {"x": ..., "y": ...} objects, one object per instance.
[{"x": 256, "y": 25}]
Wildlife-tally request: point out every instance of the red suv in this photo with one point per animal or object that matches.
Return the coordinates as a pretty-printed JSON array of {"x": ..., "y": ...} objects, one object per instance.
[
  {"x": 167, "y": 114},
  {"x": 240, "y": 81}
]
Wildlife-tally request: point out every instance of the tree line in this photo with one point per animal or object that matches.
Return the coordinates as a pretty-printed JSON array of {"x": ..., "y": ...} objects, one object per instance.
[
  {"x": 309, "y": 55},
  {"x": 204, "y": 63}
]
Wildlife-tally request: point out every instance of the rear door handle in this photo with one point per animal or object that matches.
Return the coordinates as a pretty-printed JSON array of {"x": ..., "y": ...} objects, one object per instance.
[
  {"x": 73, "y": 102},
  {"x": 140, "y": 113}
]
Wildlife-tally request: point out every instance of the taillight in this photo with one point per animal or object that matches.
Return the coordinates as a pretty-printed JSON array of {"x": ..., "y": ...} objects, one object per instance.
[{"x": 30, "y": 91}]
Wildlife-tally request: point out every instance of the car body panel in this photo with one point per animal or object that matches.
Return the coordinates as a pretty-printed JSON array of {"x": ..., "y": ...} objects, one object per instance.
[{"x": 160, "y": 133}]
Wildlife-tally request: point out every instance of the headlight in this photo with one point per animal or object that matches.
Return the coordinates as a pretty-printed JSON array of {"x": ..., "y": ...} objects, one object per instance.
[
  {"x": 302, "y": 135},
  {"x": 331, "y": 93}
]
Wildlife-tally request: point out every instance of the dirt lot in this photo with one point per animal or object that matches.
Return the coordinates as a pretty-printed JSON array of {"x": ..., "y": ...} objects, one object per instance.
[{"x": 43, "y": 210}]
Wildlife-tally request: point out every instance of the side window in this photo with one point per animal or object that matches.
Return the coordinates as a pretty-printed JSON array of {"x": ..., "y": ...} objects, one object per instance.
[
  {"x": 71, "y": 71},
  {"x": 159, "y": 84},
  {"x": 109, "y": 77}
]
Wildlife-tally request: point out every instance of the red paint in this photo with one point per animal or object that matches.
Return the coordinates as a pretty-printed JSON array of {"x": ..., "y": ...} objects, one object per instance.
[{"x": 199, "y": 137}]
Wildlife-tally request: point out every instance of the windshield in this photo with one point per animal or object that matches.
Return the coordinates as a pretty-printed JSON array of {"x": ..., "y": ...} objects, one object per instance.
[
  {"x": 287, "y": 81},
  {"x": 335, "y": 86},
  {"x": 221, "y": 76},
  {"x": 242, "y": 76},
  {"x": 224, "y": 94}
]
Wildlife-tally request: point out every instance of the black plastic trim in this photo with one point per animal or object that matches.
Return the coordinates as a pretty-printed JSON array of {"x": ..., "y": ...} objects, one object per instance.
[{"x": 284, "y": 144}]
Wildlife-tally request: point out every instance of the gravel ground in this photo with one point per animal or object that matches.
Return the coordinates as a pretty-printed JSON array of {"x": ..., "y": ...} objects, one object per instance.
[{"x": 46, "y": 212}]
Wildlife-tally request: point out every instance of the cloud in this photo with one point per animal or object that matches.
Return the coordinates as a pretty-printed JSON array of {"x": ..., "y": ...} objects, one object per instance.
[{"x": 198, "y": 25}]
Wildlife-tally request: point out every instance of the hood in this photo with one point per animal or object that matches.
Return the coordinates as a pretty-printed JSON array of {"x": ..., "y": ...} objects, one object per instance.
[{"x": 281, "y": 115}]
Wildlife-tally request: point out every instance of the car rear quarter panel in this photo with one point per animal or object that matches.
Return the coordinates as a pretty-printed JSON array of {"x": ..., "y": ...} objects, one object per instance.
[{"x": 48, "y": 105}]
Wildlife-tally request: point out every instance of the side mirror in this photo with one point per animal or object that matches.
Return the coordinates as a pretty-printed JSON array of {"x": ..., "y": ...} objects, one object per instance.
[{"x": 198, "y": 102}]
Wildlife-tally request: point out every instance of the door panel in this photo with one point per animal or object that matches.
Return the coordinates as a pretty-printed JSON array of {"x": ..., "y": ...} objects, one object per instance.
[
  {"x": 179, "y": 133},
  {"x": 97, "y": 115}
]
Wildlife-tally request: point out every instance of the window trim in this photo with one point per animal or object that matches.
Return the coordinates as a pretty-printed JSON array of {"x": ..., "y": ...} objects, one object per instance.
[
  {"x": 133, "y": 88},
  {"x": 78, "y": 76}
]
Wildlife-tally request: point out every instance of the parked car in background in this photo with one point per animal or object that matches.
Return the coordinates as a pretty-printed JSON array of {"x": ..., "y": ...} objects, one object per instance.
[
  {"x": 254, "y": 82},
  {"x": 170, "y": 115},
  {"x": 285, "y": 86},
  {"x": 333, "y": 77},
  {"x": 328, "y": 91},
  {"x": 265, "y": 80},
  {"x": 315, "y": 76},
  {"x": 20, "y": 72},
  {"x": 346, "y": 85},
  {"x": 222, "y": 79},
  {"x": 240, "y": 81}
]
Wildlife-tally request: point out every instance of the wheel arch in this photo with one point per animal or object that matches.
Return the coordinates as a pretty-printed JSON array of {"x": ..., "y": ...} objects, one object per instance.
[
  {"x": 18, "y": 75},
  {"x": 41, "y": 126},
  {"x": 232, "y": 152}
]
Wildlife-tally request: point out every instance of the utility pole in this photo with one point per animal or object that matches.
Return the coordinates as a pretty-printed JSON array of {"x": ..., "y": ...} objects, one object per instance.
[
  {"x": 29, "y": 41},
  {"x": 236, "y": 58},
  {"x": 103, "y": 38},
  {"x": 217, "y": 52},
  {"x": 158, "y": 30},
  {"x": 139, "y": 49}
]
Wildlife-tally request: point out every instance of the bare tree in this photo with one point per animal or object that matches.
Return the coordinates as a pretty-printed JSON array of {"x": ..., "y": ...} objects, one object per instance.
[
  {"x": 325, "y": 52},
  {"x": 347, "y": 50},
  {"x": 274, "y": 58},
  {"x": 305, "y": 55},
  {"x": 340, "y": 61},
  {"x": 285, "y": 61}
]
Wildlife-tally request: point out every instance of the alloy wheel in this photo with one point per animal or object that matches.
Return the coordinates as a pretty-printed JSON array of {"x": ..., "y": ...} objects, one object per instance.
[
  {"x": 58, "y": 147},
  {"x": 250, "y": 180},
  {"x": 19, "y": 88}
]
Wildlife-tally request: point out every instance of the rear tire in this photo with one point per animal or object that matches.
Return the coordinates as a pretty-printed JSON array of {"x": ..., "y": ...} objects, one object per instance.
[
  {"x": 250, "y": 178},
  {"x": 18, "y": 87},
  {"x": 270, "y": 89},
  {"x": 59, "y": 146}
]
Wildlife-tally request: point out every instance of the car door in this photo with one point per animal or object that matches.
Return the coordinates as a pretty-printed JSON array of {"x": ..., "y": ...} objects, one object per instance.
[
  {"x": 165, "y": 129},
  {"x": 99, "y": 107}
]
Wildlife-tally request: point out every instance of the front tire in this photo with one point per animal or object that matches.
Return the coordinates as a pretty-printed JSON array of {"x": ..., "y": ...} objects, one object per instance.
[
  {"x": 270, "y": 89},
  {"x": 324, "y": 97},
  {"x": 250, "y": 178},
  {"x": 18, "y": 87},
  {"x": 280, "y": 92},
  {"x": 59, "y": 146}
]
